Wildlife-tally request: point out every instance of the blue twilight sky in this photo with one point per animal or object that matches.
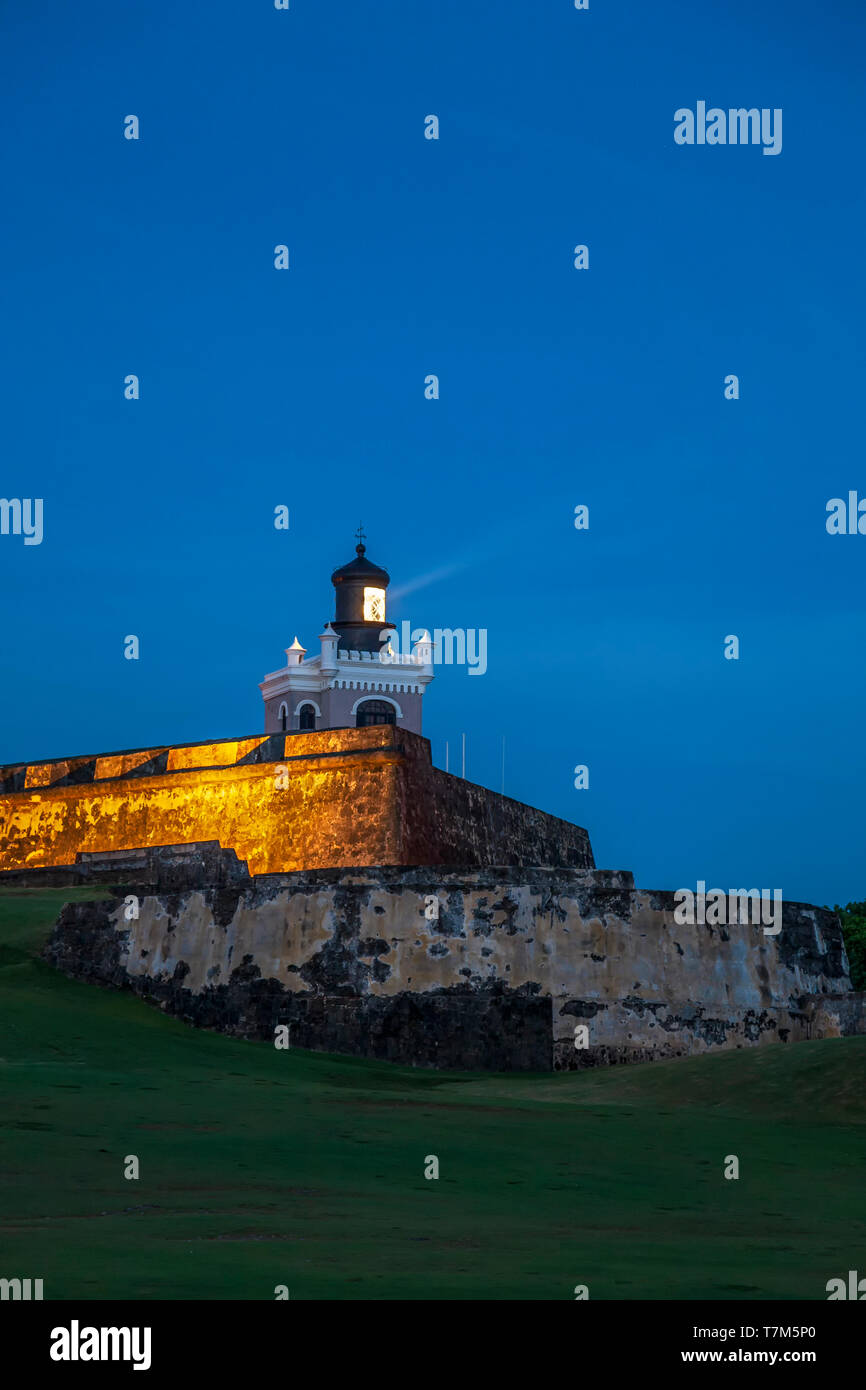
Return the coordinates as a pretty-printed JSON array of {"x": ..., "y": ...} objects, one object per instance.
[{"x": 558, "y": 387}]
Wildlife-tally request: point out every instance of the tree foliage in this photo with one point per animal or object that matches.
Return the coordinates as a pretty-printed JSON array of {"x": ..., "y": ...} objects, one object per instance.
[{"x": 853, "y": 919}]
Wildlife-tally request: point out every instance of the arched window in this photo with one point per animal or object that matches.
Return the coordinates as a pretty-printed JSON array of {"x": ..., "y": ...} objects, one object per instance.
[
  {"x": 284, "y": 717},
  {"x": 375, "y": 712},
  {"x": 307, "y": 717}
]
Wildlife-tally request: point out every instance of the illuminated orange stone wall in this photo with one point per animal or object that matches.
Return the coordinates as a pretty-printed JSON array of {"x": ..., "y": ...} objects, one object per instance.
[
  {"x": 337, "y": 798},
  {"x": 320, "y": 800}
]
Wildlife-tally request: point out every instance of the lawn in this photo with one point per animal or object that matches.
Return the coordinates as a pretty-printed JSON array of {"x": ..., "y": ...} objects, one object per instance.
[{"x": 261, "y": 1168}]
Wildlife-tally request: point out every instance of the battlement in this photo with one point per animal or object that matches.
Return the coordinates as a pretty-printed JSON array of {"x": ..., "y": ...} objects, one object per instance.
[{"x": 150, "y": 762}]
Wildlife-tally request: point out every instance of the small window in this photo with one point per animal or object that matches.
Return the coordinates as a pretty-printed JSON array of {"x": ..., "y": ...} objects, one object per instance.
[
  {"x": 307, "y": 717},
  {"x": 284, "y": 717},
  {"x": 375, "y": 712}
]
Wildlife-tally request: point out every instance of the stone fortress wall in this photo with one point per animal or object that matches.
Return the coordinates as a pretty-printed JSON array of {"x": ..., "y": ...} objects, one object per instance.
[
  {"x": 283, "y": 802},
  {"x": 487, "y": 968},
  {"x": 336, "y": 882}
]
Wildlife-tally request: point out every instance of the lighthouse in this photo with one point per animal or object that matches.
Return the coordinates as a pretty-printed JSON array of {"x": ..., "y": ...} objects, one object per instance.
[{"x": 355, "y": 678}]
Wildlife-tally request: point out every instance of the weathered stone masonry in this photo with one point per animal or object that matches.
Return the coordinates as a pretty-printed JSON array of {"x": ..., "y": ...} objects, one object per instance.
[{"x": 516, "y": 959}]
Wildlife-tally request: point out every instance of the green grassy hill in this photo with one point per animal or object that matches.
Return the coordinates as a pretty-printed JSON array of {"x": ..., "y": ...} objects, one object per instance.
[{"x": 261, "y": 1167}]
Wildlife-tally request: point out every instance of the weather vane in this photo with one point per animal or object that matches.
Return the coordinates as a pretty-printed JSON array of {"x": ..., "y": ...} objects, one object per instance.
[{"x": 360, "y": 533}]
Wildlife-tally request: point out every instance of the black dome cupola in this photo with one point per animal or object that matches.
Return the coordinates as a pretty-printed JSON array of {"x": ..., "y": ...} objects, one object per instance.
[{"x": 361, "y": 589}]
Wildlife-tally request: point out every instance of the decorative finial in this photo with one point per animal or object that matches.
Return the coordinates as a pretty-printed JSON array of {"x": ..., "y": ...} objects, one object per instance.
[{"x": 360, "y": 547}]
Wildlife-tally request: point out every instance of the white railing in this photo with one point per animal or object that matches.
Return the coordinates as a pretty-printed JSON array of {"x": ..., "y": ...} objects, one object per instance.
[{"x": 382, "y": 658}]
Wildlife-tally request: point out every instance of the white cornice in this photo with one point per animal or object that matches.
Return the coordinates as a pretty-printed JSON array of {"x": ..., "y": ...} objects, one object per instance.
[
  {"x": 408, "y": 676},
  {"x": 406, "y": 687},
  {"x": 287, "y": 683}
]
